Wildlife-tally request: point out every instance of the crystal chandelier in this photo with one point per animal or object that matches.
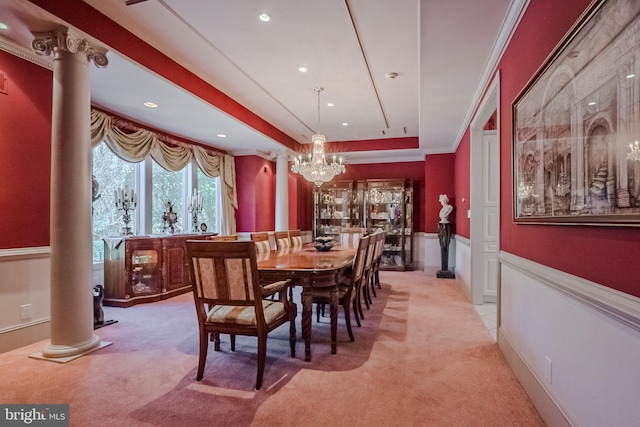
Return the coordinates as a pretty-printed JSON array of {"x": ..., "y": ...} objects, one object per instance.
[
  {"x": 634, "y": 153},
  {"x": 315, "y": 168}
]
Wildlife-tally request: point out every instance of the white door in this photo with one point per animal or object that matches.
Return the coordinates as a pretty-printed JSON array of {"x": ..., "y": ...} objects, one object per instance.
[{"x": 490, "y": 214}]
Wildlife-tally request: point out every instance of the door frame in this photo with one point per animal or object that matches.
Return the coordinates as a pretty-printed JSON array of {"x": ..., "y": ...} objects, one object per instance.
[{"x": 489, "y": 104}]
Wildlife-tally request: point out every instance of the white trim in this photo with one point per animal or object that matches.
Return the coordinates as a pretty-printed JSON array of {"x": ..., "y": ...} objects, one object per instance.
[
  {"x": 19, "y": 51},
  {"x": 510, "y": 23},
  {"x": 547, "y": 406},
  {"x": 25, "y": 325},
  {"x": 462, "y": 240},
  {"x": 617, "y": 305},
  {"x": 25, "y": 253}
]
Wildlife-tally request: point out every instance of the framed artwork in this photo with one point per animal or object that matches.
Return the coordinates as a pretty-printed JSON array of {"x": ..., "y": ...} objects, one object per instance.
[{"x": 576, "y": 122}]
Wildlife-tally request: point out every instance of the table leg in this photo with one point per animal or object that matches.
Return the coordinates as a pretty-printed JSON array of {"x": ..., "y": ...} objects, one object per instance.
[
  {"x": 334, "y": 319},
  {"x": 307, "y": 314}
]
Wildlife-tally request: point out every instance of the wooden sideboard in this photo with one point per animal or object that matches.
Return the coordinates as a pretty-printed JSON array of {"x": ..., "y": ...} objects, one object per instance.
[{"x": 141, "y": 269}]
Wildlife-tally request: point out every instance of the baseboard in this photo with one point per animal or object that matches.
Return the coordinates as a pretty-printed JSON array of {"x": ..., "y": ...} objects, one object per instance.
[
  {"x": 23, "y": 336},
  {"x": 549, "y": 410}
]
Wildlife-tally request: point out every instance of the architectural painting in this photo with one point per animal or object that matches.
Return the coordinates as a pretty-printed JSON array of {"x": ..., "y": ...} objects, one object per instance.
[{"x": 574, "y": 123}]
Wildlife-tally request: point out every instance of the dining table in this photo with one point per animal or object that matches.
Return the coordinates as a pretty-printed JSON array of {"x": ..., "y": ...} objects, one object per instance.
[{"x": 310, "y": 268}]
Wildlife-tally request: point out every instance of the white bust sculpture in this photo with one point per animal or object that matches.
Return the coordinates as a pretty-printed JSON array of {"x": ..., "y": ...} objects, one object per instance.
[{"x": 446, "y": 209}]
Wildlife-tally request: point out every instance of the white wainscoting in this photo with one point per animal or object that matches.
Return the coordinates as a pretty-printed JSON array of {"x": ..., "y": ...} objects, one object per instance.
[
  {"x": 463, "y": 264},
  {"x": 431, "y": 254},
  {"x": 25, "y": 280},
  {"x": 574, "y": 344}
]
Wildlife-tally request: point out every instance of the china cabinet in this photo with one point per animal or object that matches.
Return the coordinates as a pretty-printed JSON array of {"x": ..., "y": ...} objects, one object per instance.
[
  {"x": 370, "y": 204},
  {"x": 338, "y": 205},
  {"x": 140, "y": 269},
  {"x": 389, "y": 206}
]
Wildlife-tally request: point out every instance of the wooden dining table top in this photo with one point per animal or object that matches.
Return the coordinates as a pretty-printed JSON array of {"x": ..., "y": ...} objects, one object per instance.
[{"x": 307, "y": 258}]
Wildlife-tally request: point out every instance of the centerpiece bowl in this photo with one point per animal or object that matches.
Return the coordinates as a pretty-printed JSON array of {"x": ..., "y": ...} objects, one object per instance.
[{"x": 324, "y": 243}]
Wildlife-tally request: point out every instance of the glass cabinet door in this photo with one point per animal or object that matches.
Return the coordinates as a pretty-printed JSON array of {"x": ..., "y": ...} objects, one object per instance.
[
  {"x": 333, "y": 208},
  {"x": 387, "y": 210},
  {"x": 145, "y": 272}
]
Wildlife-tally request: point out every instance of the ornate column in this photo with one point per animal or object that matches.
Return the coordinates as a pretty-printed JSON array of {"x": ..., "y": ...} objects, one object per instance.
[
  {"x": 282, "y": 191},
  {"x": 70, "y": 212}
]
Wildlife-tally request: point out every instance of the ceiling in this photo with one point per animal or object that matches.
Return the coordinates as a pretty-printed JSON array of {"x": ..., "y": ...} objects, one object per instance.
[{"x": 442, "y": 52}]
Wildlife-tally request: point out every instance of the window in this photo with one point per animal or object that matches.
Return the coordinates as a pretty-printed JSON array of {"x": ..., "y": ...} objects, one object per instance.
[
  {"x": 167, "y": 187},
  {"x": 208, "y": 187},
  {"x": 111, "y": 173}
]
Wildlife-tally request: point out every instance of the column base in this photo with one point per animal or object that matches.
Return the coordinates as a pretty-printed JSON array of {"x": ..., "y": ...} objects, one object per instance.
[
  {"x": 445, "y": 274},
  {"x": 64, "y": 353}
]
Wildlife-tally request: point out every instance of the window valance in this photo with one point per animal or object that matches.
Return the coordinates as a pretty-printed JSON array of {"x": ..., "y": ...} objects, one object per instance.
[{"x": 135, "y": 144}]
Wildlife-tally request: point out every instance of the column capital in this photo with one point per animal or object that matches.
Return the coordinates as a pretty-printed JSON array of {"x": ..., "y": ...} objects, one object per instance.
[{"x": 65, "y": 39}]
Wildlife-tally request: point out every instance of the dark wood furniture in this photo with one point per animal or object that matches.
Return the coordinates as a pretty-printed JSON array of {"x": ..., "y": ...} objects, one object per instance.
[
  {"x": 140, "y": 269},
  {"x": 228, "y": 298},
  {"x": 348, "y": 289},
  {"x": 310, "y": 269}
]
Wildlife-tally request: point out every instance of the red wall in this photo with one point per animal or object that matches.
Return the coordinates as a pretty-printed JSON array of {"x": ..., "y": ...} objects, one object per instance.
[
  {"x": 255, "y": 178},
  {"x": 439, "y": 170},
  {"x": 607, "y": 255},
  {"x": 463, "y": 186},
  {"x": 25, "y": 152}
]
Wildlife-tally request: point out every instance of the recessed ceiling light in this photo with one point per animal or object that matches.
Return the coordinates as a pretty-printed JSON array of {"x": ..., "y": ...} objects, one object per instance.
[
  {"x": 330, "y": 104},
  {"x": 303, "y": 69},
  {"x": 345, "y": 124},
  {"x": 3, "y": 26},
  {"x": 150, "y": 104},
  {"x": 264, "y": 17},
  {"x": 592, "y": 103},
  {"x": 221, "y": 135},
  {"x": 630, "y": 76}
]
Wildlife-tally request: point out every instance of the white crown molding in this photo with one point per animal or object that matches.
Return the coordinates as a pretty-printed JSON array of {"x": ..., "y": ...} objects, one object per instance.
[
  {"x": 511, "y": 21},
  {"x": 26, "y": 54}
]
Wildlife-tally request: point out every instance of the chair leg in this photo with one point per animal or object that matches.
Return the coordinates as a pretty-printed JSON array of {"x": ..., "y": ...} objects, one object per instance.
[
  {"x": 377, "y": 274},
  {"x": 292, "y": 336},
  {"x": 359, "y": 298},
  {"x": 233, "y": 342},
  {"x": 262, "y": 357},
  {"x": 204, "y": 348},
  {"x": 373, "y": 287},
  {"x": 317, "y": 313},
  {"x": 216, "y": 341},
  {"x": 347, "y": 320},
  {"x": 355, "y": 312},
  {"x": 365, "y": 292}
]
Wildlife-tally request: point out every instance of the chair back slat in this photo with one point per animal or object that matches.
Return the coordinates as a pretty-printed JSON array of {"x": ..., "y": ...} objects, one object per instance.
[
  {"x": 295, "y": 236},
  {"x": 282, "y": 240},
  {"x": 359, "y": 261}
]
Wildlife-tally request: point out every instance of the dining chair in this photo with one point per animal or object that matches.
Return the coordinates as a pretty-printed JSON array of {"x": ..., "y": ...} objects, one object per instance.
[
  {"x": 349, "y": 237},
  {"x": 262, "y": 242},
  {"x": 295, "y": 237},
  {"x": 228, "y": 298},
  {"x": 282, "y": 240},
  {"x": 348, "y": 290},
  {"x": 225, "y": 238},
  {"x": 368, "y": 266},
  {"x": 377, "y": 244},
  {"x": 377, "y": 257}
]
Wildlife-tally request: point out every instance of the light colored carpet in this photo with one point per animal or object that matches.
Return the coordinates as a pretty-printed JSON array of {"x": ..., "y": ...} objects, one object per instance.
[{"x": 423, "y": 357}]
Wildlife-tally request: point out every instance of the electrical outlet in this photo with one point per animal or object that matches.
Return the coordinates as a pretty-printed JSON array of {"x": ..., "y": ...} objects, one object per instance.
[
  {"x": 25, "y": 312},
  {"x": 548, "y": 369}
]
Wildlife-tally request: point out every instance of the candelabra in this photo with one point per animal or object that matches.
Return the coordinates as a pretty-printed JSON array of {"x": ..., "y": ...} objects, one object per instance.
[
  {"x": 126, "y": 201},
  {"x": 194, "y": 204}
]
